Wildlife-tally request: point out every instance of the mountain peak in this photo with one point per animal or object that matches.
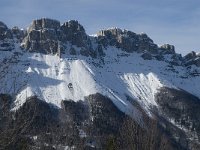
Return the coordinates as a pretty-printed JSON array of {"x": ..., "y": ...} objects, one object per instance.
[
  {"x": 42, "y": 23},
  {"x": 97, "y": 88},
  {"x": 49, "y": 36}
]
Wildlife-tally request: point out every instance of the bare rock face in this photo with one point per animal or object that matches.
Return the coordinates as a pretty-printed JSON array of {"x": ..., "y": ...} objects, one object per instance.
[
  {"x": 191, "y": 55},
  {"x": 145, "y": 43},
  {"x": 75, "y": 33},
  {"x": 176, "y": 59},
  {"x": 17, "y": 33},
  {"x": 44, "y": 23},
  {"x": 47, "y": 36},
  {"x": 5, "y": 33},
  {"x": 192, "y": 59},
  {"x": 43, "y": 36},
  {"x": 6, "y": 38},
  {"x": 127, "y": 40},
  {"x": 167, "y": 49},
  {"x": 197, "y": 62}
]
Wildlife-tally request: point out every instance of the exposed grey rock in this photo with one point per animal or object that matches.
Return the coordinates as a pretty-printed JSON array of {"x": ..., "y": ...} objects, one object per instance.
[
  {"x": 117, "y": 37},
  {"x": 17, "y": 33},
  {"x": 34, "y": 35},
  {"x": 197, "y": 62},
  {"x": 6, "y": 38},
  {"x": 5, "y": 33},
  {"x": 147, "y": 44},
  {"x": 47, "y": 36},
  {"x": 192, "y": 59},
  {"x": 167, "y": 49},
  {"x": 40, "y": 24},
  {"x": 126, "y": 40},
  {"x": 190, "y": 56},
  {"x": 43, "y": 36},
  {"x": 75, "y": 33},
  {"x": 176, "y": 59}
]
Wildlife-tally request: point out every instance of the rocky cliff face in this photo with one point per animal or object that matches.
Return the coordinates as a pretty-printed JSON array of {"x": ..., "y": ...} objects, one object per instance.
[
  {"x": 126, "y": 40},
  {"x": 48, "y": 36},
  {"x": 6, "y": 38},
  {"x": 42, "y": 36},
  {"x": 5, "y": 32},
  {"x": 192, "y": 58}
]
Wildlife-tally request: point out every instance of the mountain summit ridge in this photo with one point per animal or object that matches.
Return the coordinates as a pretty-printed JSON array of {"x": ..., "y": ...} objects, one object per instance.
[{"x": 48, "y": 36}]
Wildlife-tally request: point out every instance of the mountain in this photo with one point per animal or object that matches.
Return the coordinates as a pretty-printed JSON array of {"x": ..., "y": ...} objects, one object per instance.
[{"x": 64, "y": 89}]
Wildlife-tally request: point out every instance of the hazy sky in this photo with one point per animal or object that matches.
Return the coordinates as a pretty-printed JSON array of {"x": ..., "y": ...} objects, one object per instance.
[{"x": 175, "y": 22}]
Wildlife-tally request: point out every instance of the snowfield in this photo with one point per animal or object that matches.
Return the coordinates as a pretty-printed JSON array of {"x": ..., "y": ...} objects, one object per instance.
[{"x": 119, "y": 75}]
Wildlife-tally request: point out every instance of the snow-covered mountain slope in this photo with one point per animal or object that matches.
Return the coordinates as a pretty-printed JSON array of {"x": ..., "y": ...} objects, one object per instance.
[
  {"x": 87, "y": 79},
  {"x": 54, "y": 79},
  {"x": 117, "y": 76}
]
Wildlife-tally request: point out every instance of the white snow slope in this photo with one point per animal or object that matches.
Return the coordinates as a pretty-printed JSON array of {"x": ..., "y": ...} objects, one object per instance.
[{"x": 120, "y": 75}]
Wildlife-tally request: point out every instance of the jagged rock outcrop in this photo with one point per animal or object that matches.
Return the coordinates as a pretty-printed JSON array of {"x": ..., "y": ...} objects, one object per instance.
[
  {"x": 190, "y": 56},
  {"x": 43, "y": 36},
  {"x": 5, "y": 33},
  {"x": 6, "y": 38},
  {"x": 47, "y": 36},
  {"x": 126, "y": 40},
  {"x": 192, "y": 59},
  {"x": 43, "y": 23},
  {"x": 18, "y": 34},
  {"x": 167, "y": 49},
  {"x": 75, "y": 33},
  {"x": 176, "y": 59}
]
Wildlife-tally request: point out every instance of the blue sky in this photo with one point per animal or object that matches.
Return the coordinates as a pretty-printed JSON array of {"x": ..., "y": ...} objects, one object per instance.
[{"x": 166, "y": 21}]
